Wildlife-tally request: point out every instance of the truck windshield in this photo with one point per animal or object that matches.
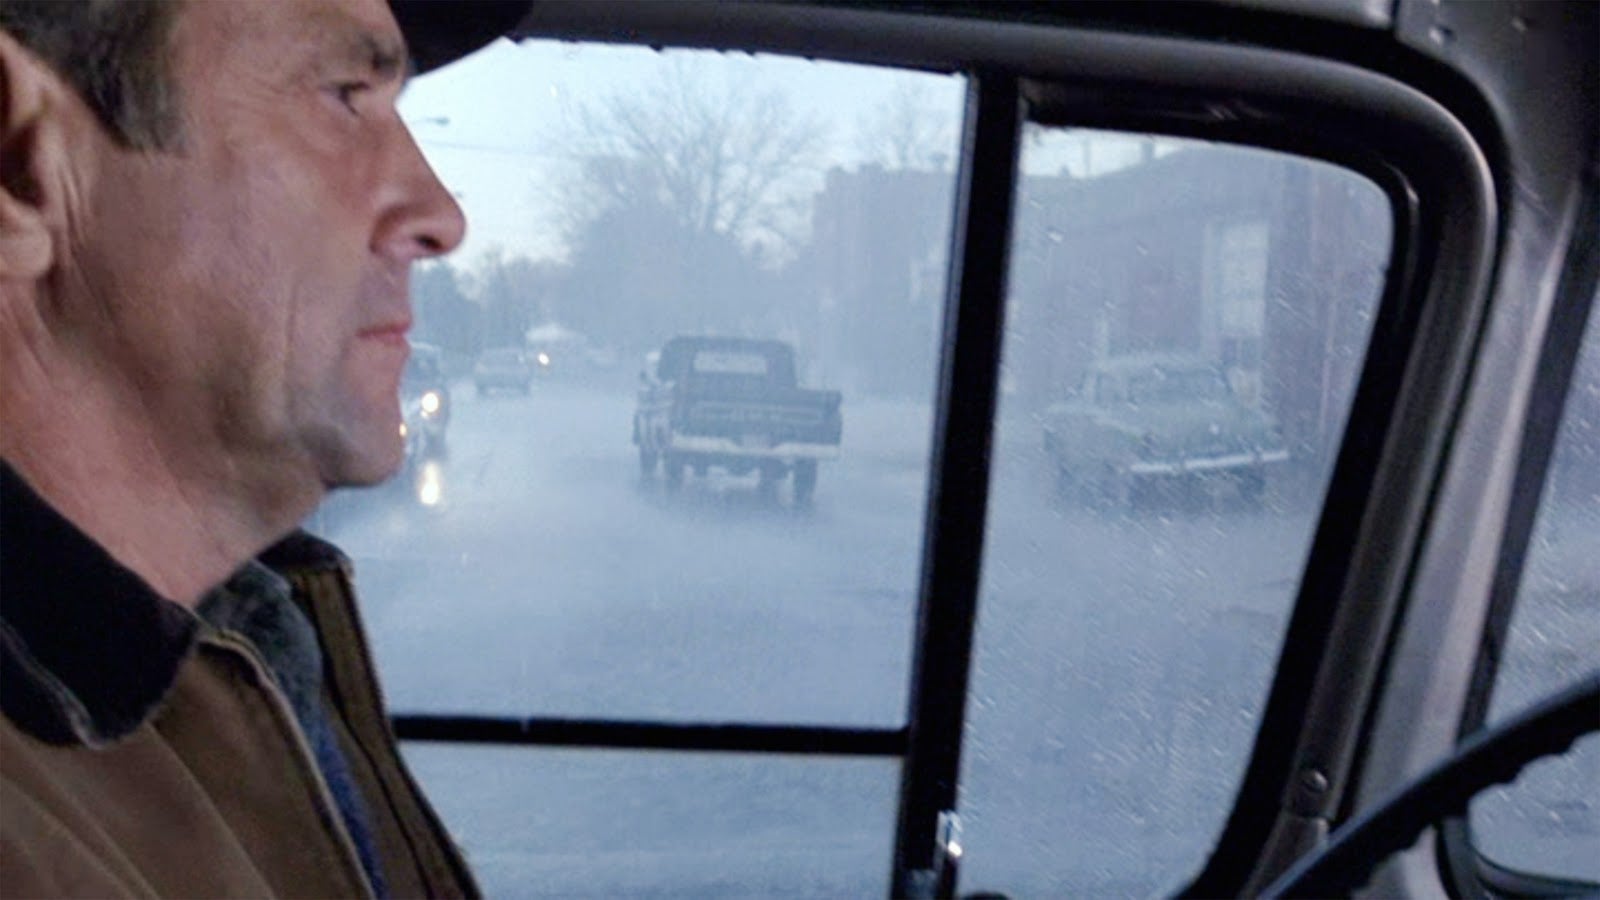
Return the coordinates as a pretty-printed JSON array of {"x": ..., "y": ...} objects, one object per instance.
[
  {"x": 1177, "y": 386},
  {"x": 722, "y": 362}
]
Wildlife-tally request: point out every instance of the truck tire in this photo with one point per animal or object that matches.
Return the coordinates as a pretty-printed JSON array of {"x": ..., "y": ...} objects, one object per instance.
[
  {"x": 1112, "y": 491},
  {"x": 805, "y": 481},
  {"x": 1065, "y": 483},
  {"x": 769, "y": 476},
  {"x": 674, "y": 468},
  {"x": 647, "y": 463},
  {"x": 1252, "y": 487}
]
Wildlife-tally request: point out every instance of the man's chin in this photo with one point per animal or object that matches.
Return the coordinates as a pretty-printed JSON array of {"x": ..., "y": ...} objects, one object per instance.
[{"x": 366, "y": 469}]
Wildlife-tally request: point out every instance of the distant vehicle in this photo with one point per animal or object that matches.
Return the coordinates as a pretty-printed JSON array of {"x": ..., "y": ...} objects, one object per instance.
[
  {"x": 425, "y": 402},
  {"x": 503, "y": 367},
  {"x": 542, "y": 359},
  {"x": 421, "y": 475},
  {"x": 733, "y": 403},
  {"x": 1143, "y": 420},
  {"x": 556, "y": 350}
]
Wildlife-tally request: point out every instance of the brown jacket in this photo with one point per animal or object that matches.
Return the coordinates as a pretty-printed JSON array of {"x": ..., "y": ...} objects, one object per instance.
[{"x": 181, "y": 769}]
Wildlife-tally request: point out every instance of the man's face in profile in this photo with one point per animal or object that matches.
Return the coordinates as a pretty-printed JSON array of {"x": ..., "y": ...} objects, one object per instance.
[{"x": 253, "y": 280}]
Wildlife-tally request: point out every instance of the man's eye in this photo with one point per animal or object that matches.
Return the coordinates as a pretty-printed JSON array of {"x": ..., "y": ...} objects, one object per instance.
[{"x": 347, "y": 91}]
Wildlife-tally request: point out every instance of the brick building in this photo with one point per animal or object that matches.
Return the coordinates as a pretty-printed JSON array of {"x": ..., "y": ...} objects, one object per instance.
[{"x": 1269, "y": 265}]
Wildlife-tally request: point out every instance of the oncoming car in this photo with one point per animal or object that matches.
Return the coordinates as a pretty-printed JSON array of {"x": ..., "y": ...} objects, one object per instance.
[
  {"x": 425, "y": 401},
  {"x": 1376, "y": 224},
  {"x": 503, "y": 367},
  {"x": 1138, "y": 422}
]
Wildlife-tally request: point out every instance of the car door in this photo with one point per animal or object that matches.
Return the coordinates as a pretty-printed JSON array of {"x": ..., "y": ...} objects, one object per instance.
[{"x": 956, "y": 681}]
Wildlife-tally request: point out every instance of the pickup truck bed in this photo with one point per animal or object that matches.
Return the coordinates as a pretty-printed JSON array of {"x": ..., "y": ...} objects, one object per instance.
[{"x": 732, "y": 403}]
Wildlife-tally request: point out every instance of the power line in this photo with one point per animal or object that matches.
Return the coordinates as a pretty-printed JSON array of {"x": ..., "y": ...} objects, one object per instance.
[{"x": 488, "y": 148}]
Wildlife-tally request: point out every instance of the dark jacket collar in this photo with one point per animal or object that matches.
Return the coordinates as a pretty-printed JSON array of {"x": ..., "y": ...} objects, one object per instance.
[{"x": 87, "y": 648}]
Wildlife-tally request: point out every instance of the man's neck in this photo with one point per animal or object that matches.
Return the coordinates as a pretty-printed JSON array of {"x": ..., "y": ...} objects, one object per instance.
[
  {"x": 83, "y": 446},
  {"x": 165, "y": 542}
]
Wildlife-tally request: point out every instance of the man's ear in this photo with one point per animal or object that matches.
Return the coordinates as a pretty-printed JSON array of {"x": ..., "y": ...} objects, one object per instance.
[{"x": 30, "y": 143}]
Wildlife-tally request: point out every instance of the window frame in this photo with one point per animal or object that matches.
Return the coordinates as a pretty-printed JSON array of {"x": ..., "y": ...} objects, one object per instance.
[
  {"x": 1471, "y": 872},
  {"x": 1435, "y": 166}
]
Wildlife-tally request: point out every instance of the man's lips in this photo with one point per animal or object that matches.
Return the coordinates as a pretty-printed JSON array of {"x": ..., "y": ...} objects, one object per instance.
[{"x": 387, "y": 333}]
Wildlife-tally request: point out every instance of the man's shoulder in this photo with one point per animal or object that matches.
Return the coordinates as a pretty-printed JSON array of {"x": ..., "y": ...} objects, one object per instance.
[{"x": 40, "y": 854}]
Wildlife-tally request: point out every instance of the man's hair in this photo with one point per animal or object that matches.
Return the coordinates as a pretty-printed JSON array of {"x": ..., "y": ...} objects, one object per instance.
[{"x": 114, "y": 53}]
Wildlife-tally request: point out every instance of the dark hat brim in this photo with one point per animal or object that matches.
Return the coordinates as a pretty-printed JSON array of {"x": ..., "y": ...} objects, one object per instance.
[{"x": 442, "y": 31}]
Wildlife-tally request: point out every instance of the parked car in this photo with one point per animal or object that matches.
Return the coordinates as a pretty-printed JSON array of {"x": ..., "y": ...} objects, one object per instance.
[
  {"x": 425, "y": 401},
  {"x": 1139, "y": 421},
  {"x": 734, "y": 403},
  {"x": 503, "y": 367}
]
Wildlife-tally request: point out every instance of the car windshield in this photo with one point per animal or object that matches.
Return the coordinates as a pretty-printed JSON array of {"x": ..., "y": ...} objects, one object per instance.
[
  {"x": 613, "y": 546},
  {"x": 617, "y": 548}
]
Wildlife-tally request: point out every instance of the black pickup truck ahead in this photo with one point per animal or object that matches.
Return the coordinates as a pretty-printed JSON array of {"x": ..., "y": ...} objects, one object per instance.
[{"x": 733, "y": 403}]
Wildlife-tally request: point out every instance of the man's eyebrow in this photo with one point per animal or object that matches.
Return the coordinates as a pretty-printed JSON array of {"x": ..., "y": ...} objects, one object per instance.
[
  {"x": 383, "y": 56},
  {"x": 386, "y": 58}
]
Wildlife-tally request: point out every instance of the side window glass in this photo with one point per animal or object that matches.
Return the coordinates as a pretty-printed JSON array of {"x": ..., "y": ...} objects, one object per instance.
[
  {"x": 1142, "y": 558},
  {"x": 1548, "y": 820},
  {"x": 1112, "y": 391},
  {"x": 733, "y": 537}
]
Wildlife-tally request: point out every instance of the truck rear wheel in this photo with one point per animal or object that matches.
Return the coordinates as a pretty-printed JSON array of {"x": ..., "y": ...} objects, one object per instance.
[
  {"x": 770, "y": 474},
  {"x": 805, "y": 481},
  {"x": 1252, "y": 486},
  {"x": 1112, "y": 491},
  {"x": 647, "y": 463},
  {"x": 674, "y": 467}
]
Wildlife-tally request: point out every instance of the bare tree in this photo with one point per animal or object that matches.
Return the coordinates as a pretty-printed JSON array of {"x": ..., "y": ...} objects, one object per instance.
[
  {"x": 444, "y": 314},
  {"x": 515, "y": 294},
  {"x": 909, "y": 129},
  {"x": 721, "y": 157}
]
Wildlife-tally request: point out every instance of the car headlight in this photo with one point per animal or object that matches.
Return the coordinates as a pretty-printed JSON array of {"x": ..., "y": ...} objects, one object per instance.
[
  {"x": 544, "y": 359},
  {"x": 430, "y": 484},
  {"x": 431, "y": 403}
]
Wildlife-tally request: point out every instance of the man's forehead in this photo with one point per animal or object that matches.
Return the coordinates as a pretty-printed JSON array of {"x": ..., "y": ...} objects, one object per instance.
[
  {"x": 366, "y": 35},
  {"x": 346, "y": 32}
]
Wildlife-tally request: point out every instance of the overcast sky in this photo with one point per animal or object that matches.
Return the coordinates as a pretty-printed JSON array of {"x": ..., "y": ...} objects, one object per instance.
[{"x": 495, "y": 124}]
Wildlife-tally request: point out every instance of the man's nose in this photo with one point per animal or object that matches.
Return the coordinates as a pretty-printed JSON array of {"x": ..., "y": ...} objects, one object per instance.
[{"x": 422, "y": 219}]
